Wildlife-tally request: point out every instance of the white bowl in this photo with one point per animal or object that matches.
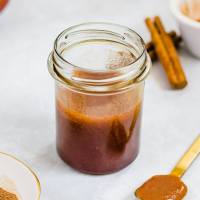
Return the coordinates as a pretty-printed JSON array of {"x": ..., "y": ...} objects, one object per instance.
[
  {"x": 19, "y": 178},
  {"x": 189, "y": 28}
]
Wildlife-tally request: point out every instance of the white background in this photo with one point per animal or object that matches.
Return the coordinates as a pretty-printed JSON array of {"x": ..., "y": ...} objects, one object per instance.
[{"x": 171, "y": 118}]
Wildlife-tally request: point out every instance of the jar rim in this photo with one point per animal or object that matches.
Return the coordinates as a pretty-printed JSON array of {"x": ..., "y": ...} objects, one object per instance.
[
  {"x": 97, "y": 23},
  {"x": 97, "y": 81}
]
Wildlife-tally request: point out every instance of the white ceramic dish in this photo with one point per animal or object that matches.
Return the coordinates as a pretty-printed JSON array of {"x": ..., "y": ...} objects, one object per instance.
[
  {"x": 189, "y": 28},
  {"x": 22, "y": 179}
]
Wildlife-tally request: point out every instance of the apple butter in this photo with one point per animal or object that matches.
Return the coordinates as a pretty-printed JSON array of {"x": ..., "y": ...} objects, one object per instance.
[
  {"x": 92, "y": 135},
  {"x": 162, "y": 187}
]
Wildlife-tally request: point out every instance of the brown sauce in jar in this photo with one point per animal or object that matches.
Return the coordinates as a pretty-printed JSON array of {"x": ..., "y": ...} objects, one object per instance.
[
  {"x": 162, "y": 187},
  {"x": 97, "y": 144}
]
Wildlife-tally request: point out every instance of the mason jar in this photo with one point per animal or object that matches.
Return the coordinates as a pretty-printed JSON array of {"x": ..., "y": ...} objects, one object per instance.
[{"x": 99, "y": 71}]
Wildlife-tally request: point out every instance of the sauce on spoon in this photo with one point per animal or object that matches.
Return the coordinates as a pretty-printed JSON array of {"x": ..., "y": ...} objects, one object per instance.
[
  {"x": 170, "y": 187},
  {"x": 162, "y": 187}
]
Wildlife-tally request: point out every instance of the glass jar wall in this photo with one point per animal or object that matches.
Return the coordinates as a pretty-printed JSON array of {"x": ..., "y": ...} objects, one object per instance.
[{"x": 99, "y": 70}]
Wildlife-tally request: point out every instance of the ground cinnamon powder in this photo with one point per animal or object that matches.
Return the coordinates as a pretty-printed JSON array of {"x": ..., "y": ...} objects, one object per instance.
[{"x": 4, "y": 195}]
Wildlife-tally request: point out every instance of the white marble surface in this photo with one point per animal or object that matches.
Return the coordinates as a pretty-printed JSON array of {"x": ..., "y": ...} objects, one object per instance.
[{"x": 170, "y": 120}]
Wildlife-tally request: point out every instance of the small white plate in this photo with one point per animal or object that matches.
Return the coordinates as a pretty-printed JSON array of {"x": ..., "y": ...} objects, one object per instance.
[{"x": 24, "y": 180}]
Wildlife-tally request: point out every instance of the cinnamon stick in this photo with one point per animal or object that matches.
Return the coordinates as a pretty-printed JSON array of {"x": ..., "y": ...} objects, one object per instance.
[
  {"x": 173, "y": 35},
  {"x": 151, "y": 48},
  {"x": 162, "y": 53},
  {"x": 171, "y": 50}
]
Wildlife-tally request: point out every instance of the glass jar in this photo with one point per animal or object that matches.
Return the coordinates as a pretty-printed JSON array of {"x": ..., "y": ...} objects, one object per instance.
[{"x": 99, "y": 71}]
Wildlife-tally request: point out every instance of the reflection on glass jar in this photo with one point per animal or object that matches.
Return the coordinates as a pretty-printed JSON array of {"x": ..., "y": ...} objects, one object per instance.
[{"x": 99, "y": 70}]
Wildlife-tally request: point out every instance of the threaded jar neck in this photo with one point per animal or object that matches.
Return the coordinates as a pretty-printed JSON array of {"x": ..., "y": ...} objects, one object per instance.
[{"x": 99, "y": 57}]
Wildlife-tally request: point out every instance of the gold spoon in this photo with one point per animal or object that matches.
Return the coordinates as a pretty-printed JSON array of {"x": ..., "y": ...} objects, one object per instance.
[{"x": 170, "y": 187}]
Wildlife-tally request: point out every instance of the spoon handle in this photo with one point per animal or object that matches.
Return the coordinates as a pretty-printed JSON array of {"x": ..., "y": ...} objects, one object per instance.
[{"x": 187, "y": 159}]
